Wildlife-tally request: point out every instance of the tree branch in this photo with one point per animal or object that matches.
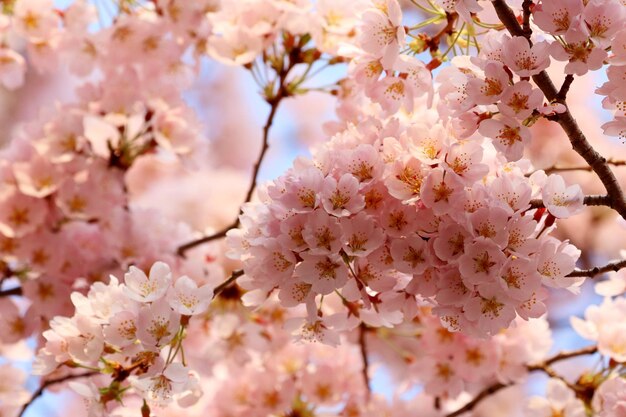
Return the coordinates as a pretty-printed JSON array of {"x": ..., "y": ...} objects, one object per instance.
[
  {"x": 366, "y": 378},
  {"x": 589, "y": 350},
  {"x": 51, "y": 382},
  {"x": 274, "y": 101},
  {"x": 526, "y": 18},
  {"x": 589, "y": 200},
  {"x": 554, "y": 169},
  {"x": 257, "y": 165},
  {"x": 576, "y": 137},
  {"x": 492, "y": 389},
  {"x": 592, "y": 272},
  {"x": 11, "y": 291},
  {"x": 567, "y": 83},
  {"x": 543, "y": 366},
  {"x": 225, "y": 284}
]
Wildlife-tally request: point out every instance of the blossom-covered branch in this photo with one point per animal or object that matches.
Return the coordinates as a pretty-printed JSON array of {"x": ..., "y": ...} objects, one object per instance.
[
  {"x": 11, "y": 291},
  {"x": 50, "y": 382},
  {"x": 543, "y": 367},
  {"x": 273, "y": 99},
  {"x": 592, "y": 272},
  {"x": 553, "y": 169},
  {"x": 365, "y": 360},
  {"x": 577, "y": 138},
  {"x": 588, "y": 200}
]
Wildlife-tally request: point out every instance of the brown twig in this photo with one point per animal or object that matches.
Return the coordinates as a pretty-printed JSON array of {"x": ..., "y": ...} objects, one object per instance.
[
  {"x": 51, "y": 382},
  {"x": 363, "y": 346},
  {"x": 526, "y": 18},
  {"x": 257, "y": 165},
  {"x": 554, "y": 169},
  {"x": 434, "y": 41},
  {"x": 567, "y": 354},
  {"x": 225, "y": 284},
  {"x": 567, "y": 83},
  {"x": 274, "y": 101},
  {"x": 11, "y": 291},
  {"x": 576, "y": 137},
  {"x": 592, "y": 272},
  {"x": 492, "y": 389},
  {"x": 589, "y": 200},
  {"x": 543, "y": 367}
]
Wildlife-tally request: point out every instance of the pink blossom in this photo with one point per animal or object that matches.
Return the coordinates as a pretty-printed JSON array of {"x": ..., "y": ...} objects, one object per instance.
[
  {"x": 341, "y": 198},
  {"x": 410, "y": 255},
  {"x": 186, "y": 298},
  {"x": 562, "y": 201},
  {"x": 509, "y": 136},
  {"x": 490, "y": 89},
  {"x": 440, "y": 191},
  {"x": 582, "y": 55},
  {"x": 147, "y": 288},
  {"x": 322, "y": 233},
  {"x": 382, "y": 33},
  {"x": 609, "y": 399},
  {"x": 557, "y": 16},
  {"x": 555, "y": 261},
  {"x": 491, "y": 309},
  {"x": 481, "y": 262},
  {"x": 523, "y": 59},
  {"x": 603, "y": 18},
  {"x": 12, "y": 69},
  {"x": 20, "y": 214},
  {"x": 520, "y": 100},
  {"x": 325, "y": 273},
  {"x": 157, "y": 324},
  {"x": 361, "y": 235}
]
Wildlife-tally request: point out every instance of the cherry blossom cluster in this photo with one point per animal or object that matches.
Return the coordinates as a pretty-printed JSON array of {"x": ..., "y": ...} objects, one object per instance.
[
  {"x": 603, "y": 325},
  {"x": 483, "y": 93},
  {"x": 386, "y": 76},
  {"x": 448, "y": 364},
  {"x": 385, "y": 213},
  {"x": 559, "y": 399},
  {"x": 12, "y": 392},
  {"x": 613, "y": 89},
  {"x": 134, "y": 330},
  {"x": 64, "y": 193},
  {"x": 609, "y": 399},
  {"x": 54, "y": 37}
]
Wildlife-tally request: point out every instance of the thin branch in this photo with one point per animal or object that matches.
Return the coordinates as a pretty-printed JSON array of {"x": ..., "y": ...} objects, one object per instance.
[
  {"x": 589, "y": 200},
  {"x": 11, "y": 291},
  {"x": 51, "y": 382},
  {"x": 554, "y": 169},
  {"x": 546, "y": 369},
  {"x": 490, "y": 390},
  {"x": 576, "y": 137},
  {"x": 257, "y": 165},
  {"x": 543, "y": 366},
  {"x": 592, "y": 272},
  {"x": 567, "y": 354},
  {"x": 274, "y": 102},
  {"x": 225, "y": 284},
  {"x": 567, "y": 83},
  {"x": 526, "y": 18},
  {"x": 363, "y": 346}
]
